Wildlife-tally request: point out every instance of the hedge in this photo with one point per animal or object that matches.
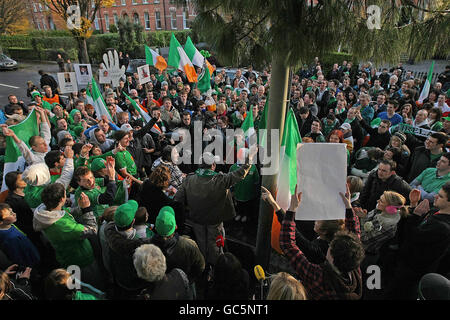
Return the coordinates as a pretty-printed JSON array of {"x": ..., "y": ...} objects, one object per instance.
[
  {"x": 44, "y": 54},
  {"x": 60, "y": 40}
]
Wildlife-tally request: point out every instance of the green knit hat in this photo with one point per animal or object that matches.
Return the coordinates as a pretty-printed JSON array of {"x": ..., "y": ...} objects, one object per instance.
[
  {"x": 98, "y": 164},
  {"x": 165, "y": 223},
  {"x": 72, "y": 113},
  {"x": 36, "y": 93},
  {"x": 124, "y": 215}
]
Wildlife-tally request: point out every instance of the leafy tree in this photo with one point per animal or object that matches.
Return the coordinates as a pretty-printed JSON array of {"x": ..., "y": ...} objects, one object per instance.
[
  {"x": 287, "y": 33},
  {"x": 88, "y": 11},
  {"x": 11, "y": 12}
]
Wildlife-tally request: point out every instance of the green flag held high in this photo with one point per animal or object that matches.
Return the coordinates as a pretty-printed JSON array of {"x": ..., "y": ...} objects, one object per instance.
[
  {"x": 98, "y": 102},
  {"x": 138, "y": 108},
  {"x": 24, "y": 131}
]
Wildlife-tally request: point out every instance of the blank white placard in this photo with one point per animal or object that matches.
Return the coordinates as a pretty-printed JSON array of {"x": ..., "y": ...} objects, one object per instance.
[{"x": 322, "y": 175}]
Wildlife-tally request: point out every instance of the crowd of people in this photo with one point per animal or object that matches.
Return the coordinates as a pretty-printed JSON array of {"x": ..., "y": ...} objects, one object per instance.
[{"x": 108, "y": 198}]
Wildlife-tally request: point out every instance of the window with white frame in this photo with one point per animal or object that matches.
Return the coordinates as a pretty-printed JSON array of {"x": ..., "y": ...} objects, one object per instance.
[
  {"x": 96, "y": 24},
  {"x": 43, "y": 24},
  {"x": 173, "y": 19},
  {"x": 124, "y": 2},
  {"x": 144, "y": 1},
  {"x": 158, "y": 19},
  {"x": 35, "y": 7},
  {"x": 106, "y": 21},
  {"x": 147, "y": 20},
  {"x": 116, "y": 18},
  {"x": 136, "y": 18},
  {"x": 185, "y": 26},
  {"x": 40, "y": 7}
]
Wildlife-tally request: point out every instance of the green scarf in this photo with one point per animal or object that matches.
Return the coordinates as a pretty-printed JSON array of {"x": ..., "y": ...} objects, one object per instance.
[{"x": 205, "y": 172}]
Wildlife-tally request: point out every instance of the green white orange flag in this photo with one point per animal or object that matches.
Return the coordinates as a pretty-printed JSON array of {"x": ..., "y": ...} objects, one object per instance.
[
  {"x": 427, "y": 85},
  {"x": 95, "y": 98},
  {"x": 287, "y": 174},
  {"x": 152, "y": 58},
  {"x": 143, "y": 114},
  {"x": 195, "y": 56},
  {"x": 179, "y": 60},
  {"x": 248, "y": 125},
  {"x": 13, "y": 157},
  {"x": 204, "y": 82}
]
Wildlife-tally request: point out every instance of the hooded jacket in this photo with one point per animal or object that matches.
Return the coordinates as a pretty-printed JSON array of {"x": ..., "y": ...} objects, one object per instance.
[
  {"x": 105, "y": 146},
  {"x": 68, "y": 238}
]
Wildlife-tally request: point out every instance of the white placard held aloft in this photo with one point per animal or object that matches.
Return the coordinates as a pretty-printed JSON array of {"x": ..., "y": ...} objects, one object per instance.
[
  {"x": 83, "y": 72},
  {"x": 67, "y": 82},
  {"x": 143, "y": 73},
  {"x": 322, "y": 175}
]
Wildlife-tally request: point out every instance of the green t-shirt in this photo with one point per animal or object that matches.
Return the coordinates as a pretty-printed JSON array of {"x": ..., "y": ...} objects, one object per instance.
[
  {"x": 65, "y": 236},
  {"x": 33, "y": 193},
  {"x": 125, "y": 160},
  {"x": 430, "y": 182},
  {"x": 246, "y": 190},
  {"x": 93, "y": 195}
]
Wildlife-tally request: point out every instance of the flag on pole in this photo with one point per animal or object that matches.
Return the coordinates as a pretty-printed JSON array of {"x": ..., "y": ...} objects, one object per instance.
[
  {"x": 426, "y": 87},
  {"x": 196, "y": 57},
  {"x": 204, "y": 82},
  {"x": 248, "y": 125},
  {"x": 143, "y": 114},
  {"x": 13, "y": 157},
  {"x": 98, "y": 102},
  {"x": 152, "y": 58},
  {"x": 287, "y": 176},
  {"x": 179, "y": 60}
]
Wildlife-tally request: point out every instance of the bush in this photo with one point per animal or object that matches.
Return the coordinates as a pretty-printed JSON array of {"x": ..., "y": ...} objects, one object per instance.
[
  {"x": 15, "y": 41},
  {"x": 113, "y": 29},
  {"x": 22, "y": 53}
]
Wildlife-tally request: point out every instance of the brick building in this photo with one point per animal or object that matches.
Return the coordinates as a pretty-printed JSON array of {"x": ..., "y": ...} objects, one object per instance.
[{"x": 151, "y": 14}]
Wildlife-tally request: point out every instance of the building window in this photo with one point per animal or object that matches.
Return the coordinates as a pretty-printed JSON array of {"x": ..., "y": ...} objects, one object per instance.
[
  {"x": 116, "y": 18},
  {"x": 38, "y": 25},
  {"x": 185, "y": 26},
  {"x": 124, "y": 2},
  {"x": 43, "y": 24},
  {"x": 40, "y": 7},
  {"x": 97, "y": 26},
  {"x": 133, "y": 2},
  {"x": 35, "y": 7},
  {"x": 144, "y": 1},
  {"x": 51, "y": 25},
  {"x": 136, "y": 18},
  {"x": 156, "y": 1},
  {"x": 147, "y": 20},
  {"x": 173, "y": 19},
  {"x": 106, "y": 21},
  {"x": 158, "y": 19}
]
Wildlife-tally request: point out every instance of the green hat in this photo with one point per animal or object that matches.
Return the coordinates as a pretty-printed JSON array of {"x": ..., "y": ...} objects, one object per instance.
[
  {"x": 229, "y": 87},
  {"x": 125, "y": 213},
  {"x": 54, "y": 104},
  {"x": 165, "y": 221},
  {"x": 72, "y": 113},
  {"x": 36, "y": 93},
  {"x": 447, "y": 118},
  {"x": 98, "y": 164}
]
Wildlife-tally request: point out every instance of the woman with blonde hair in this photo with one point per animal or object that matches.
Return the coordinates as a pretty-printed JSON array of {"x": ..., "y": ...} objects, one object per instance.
[
  {"x": 283, "y": 286},
  {"x": 380, "y": 224}
]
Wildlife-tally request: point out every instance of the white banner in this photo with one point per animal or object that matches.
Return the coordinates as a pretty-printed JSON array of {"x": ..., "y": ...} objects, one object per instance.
[
  {"x": 103, "y": 75},
  {"x": 144, "y": 74},
  {"x": 67, "y": 82},
  {"x": 322, "y": 175},
  {"x": 83, "y": 72}
]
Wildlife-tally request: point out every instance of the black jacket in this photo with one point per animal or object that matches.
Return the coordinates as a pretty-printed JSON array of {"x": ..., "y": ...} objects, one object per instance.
[
  {"x": 419, "y": 161},
  {"x": 374, "y": 188},
  {"x": 376, "y": 139},
  {"x": 121, "y": 252},
  {"x": 424, "y": 241},
  {"x": 304, "y": 126}
]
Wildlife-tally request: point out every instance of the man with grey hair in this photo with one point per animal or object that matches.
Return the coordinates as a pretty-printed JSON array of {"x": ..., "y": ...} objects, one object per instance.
[{"x": 150, "y": 264}]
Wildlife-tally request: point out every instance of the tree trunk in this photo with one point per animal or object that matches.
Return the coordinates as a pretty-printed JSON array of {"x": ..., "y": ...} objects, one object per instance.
[
  {"x": 82, "y": 50},
  {"x": 276, "y": 115}
]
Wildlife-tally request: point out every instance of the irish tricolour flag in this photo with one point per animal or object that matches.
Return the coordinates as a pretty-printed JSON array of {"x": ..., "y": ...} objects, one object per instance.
[
  {"x": 179, "y": 60},
  {"x": 95, "y": 98},
  {"x": 13, "y": 157},
  {"x": 152, "y": 58},
  {"x": 287, "y": 175},
  {"x": 143, "y": 114},
  {"x": 427, "y": 85},
  {"x": 195, "y": 56}
]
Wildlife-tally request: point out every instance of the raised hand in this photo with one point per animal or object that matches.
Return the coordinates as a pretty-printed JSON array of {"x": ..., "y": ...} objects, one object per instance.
[
  {"x": 83, "y": 201},
  {"x": 296, "y": 199},
  {"x": 422, "y": 208},
  {"x": 414, "y": 197},
  {"x": 346, "y": 198},
  {"x": 68, "y": 152}
]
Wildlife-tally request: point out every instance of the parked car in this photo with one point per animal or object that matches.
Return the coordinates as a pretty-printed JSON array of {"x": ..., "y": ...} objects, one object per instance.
[
  {"x": 6, "y": 63},
  {"x": 230, "y": 72}
]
